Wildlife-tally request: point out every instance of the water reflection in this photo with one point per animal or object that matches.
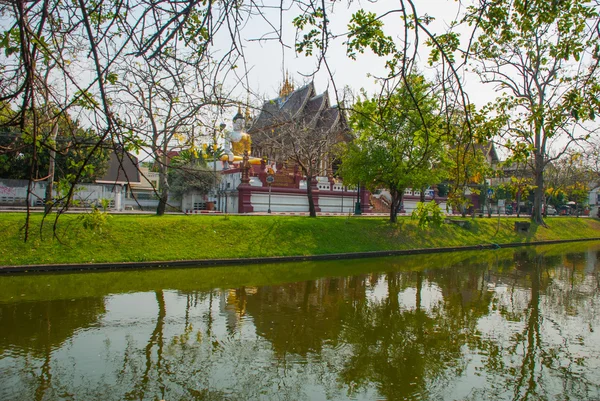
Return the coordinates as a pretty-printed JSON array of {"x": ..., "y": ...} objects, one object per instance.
[{"x": 489, "y": 325}]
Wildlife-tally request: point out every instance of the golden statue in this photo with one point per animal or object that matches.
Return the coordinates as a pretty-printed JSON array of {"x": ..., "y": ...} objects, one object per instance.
[{"x": 237, "y": 141}]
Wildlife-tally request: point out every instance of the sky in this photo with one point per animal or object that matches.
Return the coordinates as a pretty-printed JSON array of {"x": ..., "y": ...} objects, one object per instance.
[{"x": 268, "y": 61}]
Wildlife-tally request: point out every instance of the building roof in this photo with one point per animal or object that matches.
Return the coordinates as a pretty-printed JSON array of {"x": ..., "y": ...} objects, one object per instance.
[
  {"x": 302, "y": 105},
  {"x": 122, "y": 169}
]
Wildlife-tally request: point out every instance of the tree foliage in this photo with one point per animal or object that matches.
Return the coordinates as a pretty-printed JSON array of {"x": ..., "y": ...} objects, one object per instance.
[
  {"x": 542, "y": 57},
  {"x": 189, "y": 173},
  {"x": 398, "y": 142},
  {"x": 74, "y": 146}
]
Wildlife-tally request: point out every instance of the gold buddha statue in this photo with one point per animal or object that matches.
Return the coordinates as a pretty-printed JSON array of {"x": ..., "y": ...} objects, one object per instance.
[{"x": 237, "y": 141}]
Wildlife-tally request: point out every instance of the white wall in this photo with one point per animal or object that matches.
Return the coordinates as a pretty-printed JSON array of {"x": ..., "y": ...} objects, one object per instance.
[
  {"x": 337, "y": 204},
  {"x": 279, "y": 202}
]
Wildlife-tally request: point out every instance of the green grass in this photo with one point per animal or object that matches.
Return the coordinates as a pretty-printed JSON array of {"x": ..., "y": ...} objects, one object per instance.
[
  {"x": 54, "y": 286},
  {"x": 150, "y": 238}
]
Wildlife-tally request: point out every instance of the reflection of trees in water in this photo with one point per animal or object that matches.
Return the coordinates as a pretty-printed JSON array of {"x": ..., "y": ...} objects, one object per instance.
[
  {"x": 413, "y": 353},
  {"x": 542, "y": 359},
  {"x": 33, "y": 327},
  {"x": 334, "y": 337},
  {"x": 34, "y": 330},
  {"x": 300, "y": 318},
  {"x": 400, "y": 350}
]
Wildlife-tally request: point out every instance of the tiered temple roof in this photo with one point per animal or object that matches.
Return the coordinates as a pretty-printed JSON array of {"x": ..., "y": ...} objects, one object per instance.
[{"x": 300, "y": 107}]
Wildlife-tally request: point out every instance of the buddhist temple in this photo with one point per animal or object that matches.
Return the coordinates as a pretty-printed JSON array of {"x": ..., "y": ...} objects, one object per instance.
[
  {"x": 250, "y": 158},
  {"x": 293, "y": 108}
]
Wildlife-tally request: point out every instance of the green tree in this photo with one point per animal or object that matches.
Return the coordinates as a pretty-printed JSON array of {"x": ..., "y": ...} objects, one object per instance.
[
  {"x": 398, "y": 143},
  {"x": 187, "y": 172},
  {"x": 542, "y": 56},
  {"x": 74, "y": 147}
]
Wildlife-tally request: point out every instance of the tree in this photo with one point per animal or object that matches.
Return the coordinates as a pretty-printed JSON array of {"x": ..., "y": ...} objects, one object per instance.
[
  {"x": 466, "y": 157},
  {"x": 398, "y": 142},
  {"x": 72, "y": 146},
  {"x": 189, "y": 173},
  {"x": 160, "y": 104},
  {"x": 67, "y": 53},
  {"x": 543, "y": 58},
  {"x": 569, "y": 178}
]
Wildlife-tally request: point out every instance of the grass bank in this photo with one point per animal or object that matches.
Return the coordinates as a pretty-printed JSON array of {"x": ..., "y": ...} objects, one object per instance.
[
  {"x": 65, "y": 286},
  {"x": 129, "y": 238}
]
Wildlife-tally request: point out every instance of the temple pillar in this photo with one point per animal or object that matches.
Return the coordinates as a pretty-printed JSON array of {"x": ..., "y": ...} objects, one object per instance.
[
  {"x": 245, "y": 198},
  {"x": 365, "y": 201}
]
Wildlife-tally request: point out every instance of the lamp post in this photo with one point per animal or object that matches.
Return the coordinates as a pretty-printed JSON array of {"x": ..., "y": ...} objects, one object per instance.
[
  {"x": 270, "y": 180},
  {"x": 357, "y": 210}
]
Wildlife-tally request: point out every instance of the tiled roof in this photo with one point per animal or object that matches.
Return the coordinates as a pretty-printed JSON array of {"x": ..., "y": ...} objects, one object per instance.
[
  {"x": 267, "y": 116},
  {"x": 314, "y": 107},
  {"x": 328, "y": 119},
  {"x": 297, "y": 101},
  {"x": 301, "y": 105}
]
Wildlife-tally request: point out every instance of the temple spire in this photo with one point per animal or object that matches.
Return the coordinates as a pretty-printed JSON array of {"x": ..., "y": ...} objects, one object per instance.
[
  {"x": 287, "y": 88},
  {"x": 247, "y": 112}
]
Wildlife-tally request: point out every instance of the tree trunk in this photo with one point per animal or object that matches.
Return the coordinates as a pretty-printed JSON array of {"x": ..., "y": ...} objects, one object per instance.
[
  {"x": 538, "y": 193},
  {"x": 397, "y": 197},
  {"x": 311, "y": 202},
  {"x": 164, "y": 190},
  {"x": 422, "y": 197}
]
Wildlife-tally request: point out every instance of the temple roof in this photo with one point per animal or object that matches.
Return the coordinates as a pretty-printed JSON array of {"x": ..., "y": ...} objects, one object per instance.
[{"x": 302, "y": 105}]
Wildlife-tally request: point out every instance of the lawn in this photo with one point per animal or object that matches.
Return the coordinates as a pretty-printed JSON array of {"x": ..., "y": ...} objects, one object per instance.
[{"x": 125, "y": 238}]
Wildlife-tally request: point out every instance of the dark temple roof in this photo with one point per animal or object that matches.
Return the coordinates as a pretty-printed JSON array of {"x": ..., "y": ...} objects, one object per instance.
[{"x": 302, "y": 105}]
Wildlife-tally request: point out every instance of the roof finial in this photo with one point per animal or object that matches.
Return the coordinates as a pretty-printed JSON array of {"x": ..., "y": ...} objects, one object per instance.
[{"x": 287, "y": 88}]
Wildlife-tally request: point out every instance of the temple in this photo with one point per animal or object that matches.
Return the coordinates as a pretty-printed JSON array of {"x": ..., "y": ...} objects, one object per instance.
[
  {"x": 251, "y": 156},
  {"x": 294, "y": 110}
]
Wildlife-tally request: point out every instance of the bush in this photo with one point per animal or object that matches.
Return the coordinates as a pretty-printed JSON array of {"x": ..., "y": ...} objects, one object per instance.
[
  {"x": 94, "y": 221},
  {"x": 428, "y": 214}
]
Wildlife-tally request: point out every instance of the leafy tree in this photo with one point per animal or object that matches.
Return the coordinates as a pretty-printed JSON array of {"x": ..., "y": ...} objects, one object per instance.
[
  {"x": 67, "y": 54},
  {"x": 398, "y": 143},
  {"x": 187, "y": 172},
  {"x": 542, "y": 56},
  {"x": 568, "y": 178},
  {"x": 467, "y": 172},
  {"x": 74, "y": 149}
]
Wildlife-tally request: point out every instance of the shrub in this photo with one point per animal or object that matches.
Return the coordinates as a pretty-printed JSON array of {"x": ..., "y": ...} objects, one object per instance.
[{"x": 428, "y": 214}]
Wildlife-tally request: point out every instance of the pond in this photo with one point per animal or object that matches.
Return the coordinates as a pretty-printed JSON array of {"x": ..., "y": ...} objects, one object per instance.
[{"x": 499, "y": 325}]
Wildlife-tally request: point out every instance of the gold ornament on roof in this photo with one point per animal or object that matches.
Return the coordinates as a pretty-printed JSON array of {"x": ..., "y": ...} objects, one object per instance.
[
  {"x": 247, "y": 114},
  {"x": 287, "y": 88}
]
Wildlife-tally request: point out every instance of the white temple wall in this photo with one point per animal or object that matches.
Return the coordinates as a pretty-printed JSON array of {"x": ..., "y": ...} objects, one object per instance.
[
  {"x": 279, "y": 202},
  {"x": 337, "y": 204}
]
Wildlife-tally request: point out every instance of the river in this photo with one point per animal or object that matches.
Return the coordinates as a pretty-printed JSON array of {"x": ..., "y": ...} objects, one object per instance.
[{"x": 490, "y": 325}]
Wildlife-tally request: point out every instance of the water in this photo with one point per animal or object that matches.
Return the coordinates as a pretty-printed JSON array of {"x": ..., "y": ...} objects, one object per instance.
[{"x": 498, "y": 325}]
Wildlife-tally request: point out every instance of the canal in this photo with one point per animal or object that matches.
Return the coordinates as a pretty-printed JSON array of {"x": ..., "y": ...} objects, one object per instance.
[{"x": 490, "y": 325}]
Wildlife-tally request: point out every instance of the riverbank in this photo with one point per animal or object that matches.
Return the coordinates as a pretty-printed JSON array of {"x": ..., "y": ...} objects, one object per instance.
[{"x": 126, "y": 238}]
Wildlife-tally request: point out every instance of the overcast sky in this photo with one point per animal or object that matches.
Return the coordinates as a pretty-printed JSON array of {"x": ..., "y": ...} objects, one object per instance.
[{"x": 268, "y": 60}]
